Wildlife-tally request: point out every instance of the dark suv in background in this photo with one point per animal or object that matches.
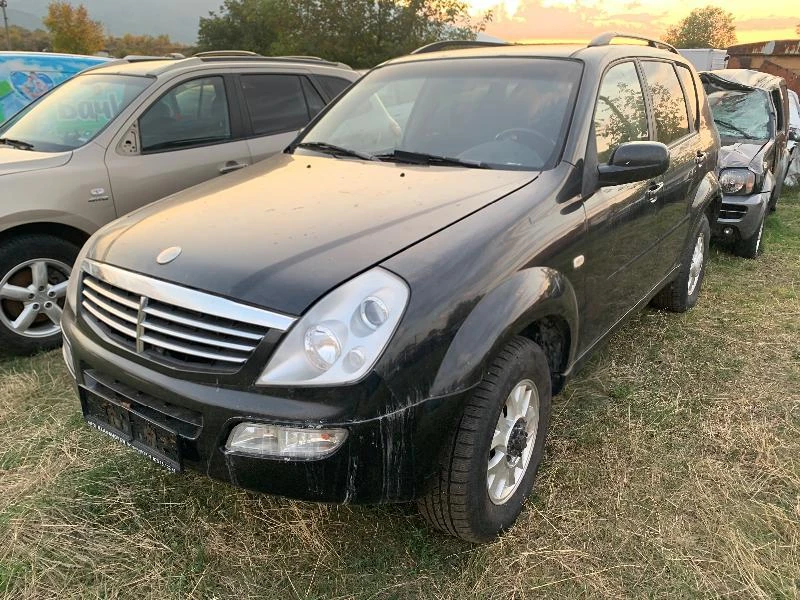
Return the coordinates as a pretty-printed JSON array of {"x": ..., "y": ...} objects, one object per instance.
[{"x": 383, "y": 312}]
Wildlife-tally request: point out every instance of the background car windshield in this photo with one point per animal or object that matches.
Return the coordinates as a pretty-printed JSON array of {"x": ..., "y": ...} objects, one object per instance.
[
  {"x": 741, "y": 114},
  {"x": 74, "y": 113},
  {"x": 506, "y": 113}
]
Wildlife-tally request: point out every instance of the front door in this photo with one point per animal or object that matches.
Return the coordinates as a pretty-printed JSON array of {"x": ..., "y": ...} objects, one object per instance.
[
  {"x": 619, "y": 218},
  {"x": 183, "y": 138}
]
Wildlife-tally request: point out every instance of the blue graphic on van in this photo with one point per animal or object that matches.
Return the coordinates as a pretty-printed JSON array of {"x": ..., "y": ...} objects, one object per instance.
[{"x": 26, "y": 76}]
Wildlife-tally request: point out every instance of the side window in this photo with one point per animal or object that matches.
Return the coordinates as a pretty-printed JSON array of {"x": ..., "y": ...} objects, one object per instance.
[
  {"x": 669, "y": 105},
  {"x": 190, "y": 114},
  {"x": 620, "y": 115},
  {"x": 276, "y": 103},
  {"x": 333, "y": 86},
  {"x": 691, "y": 94},
  {"x": 777, "y": 100},
  {"x": 315, "y": 101}
]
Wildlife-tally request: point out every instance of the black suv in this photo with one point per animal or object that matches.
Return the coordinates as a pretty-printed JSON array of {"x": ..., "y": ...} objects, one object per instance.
[{"x": 383, "y": 312}]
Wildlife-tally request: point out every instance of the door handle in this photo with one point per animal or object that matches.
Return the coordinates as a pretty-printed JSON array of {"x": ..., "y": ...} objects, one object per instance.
[
  {"x": 232, "y": 166},
  {"x": 700, "y": 158},
  {"x": 653, "y": 190}
]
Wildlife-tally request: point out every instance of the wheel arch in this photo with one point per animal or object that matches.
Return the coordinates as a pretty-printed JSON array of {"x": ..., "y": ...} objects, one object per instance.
[
  {"x": 70, "y": 233},
  {"x": 537, "y": 303}
]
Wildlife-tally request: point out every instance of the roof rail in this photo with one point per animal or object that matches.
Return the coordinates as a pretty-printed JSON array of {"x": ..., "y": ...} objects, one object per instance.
[
  {"x": 605, "y": 39},
  {"x": 134, "y": 58},
  {"x": 456, "y": 45},
  {"x": 274, "y": 59},
  {"x": 221, "y": 53}
]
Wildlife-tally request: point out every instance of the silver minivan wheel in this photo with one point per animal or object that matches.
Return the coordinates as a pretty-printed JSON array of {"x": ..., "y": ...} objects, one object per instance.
[{"x": 32, "y": 297}]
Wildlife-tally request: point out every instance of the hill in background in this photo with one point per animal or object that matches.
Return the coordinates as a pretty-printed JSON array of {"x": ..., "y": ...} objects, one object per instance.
[{"x": 177, "y": 18}]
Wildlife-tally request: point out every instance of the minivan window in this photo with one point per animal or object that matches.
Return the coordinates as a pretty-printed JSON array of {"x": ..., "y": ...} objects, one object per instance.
[
  {"x": 691, "y": 93},
  {"x": 75, "y": 112},
  {"x": 192, "y": 113},
  {"x": 505, "y": 114},
  {"x": 276, "y": 103},
  {"x": 620, "y": 115},
  {"x": 333, "y": 86},
  {"x": 314, "y": 100},
  {"x": 669, "y": 104}
]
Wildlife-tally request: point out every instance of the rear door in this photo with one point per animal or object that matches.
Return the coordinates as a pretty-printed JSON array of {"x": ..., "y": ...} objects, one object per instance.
[
  {"x": 675, "y": 128},
  {"x": 277, "y": 106},
  {"x": 187, "y": 135}
]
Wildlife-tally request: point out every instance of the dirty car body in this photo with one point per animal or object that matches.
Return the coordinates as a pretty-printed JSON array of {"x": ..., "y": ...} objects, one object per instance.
[
  {"x": 751, "y": 111},
  {"x": 454, "y": 222}
]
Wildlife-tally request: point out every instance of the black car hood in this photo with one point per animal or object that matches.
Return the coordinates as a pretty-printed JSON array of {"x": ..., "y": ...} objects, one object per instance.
[
  {"x": 742, "y": 154},
  {"x": 282, "y": 233}
]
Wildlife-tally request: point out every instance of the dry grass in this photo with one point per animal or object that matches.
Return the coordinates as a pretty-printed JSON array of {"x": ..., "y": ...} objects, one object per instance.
[{"x": 673, "y": 470}]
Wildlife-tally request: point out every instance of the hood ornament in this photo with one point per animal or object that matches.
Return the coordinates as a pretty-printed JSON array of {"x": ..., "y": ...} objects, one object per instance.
[{"x": 168, "y": 255}]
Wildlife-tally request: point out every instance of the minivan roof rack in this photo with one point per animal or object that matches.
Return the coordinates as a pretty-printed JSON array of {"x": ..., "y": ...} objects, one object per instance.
[
  {"x": 605, "y": 39},
  {"x": 279, "y": 59},
  {"x": 220, "y": 53},
  {"x": 456, "y": 45}
]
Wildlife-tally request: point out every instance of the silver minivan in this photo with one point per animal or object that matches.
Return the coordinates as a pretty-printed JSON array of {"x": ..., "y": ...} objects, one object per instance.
[{"x": 125, "y": 134}]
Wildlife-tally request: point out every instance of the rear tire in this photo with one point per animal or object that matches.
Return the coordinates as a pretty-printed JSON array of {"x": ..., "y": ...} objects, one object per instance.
[
  {"x": 492, "y": 457},
  {"x": 682, "y": 294},
  {"x": 34, "y": 270}
]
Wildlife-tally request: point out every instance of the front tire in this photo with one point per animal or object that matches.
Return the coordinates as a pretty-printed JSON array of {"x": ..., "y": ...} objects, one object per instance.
[
  {"x": 490, "y": 465},
  {"x": 682, "y": 294},
  {"x": 34, "y": 270}
]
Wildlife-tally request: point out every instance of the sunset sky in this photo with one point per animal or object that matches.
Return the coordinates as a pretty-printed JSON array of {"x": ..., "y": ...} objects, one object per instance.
[{"x": 579, "y": 20}]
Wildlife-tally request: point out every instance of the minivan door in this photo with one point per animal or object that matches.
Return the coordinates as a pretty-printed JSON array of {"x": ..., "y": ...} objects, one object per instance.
[{"x": 187, "y": 136}]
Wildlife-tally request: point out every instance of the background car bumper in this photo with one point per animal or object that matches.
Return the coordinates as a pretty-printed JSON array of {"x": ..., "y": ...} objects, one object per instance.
[
  {"x": 742, "y": 214},
  {"x": 387, "y": 458}
]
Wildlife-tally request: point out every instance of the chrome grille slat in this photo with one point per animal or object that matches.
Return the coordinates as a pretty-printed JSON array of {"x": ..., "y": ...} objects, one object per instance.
[
  {"x": 148, "y": 339},
  {"x": 197, "y": 338},
  {"x": 172, "y": 325},
  {"x": 167, "y": 316},
  {"x": 130, "y": 318}
]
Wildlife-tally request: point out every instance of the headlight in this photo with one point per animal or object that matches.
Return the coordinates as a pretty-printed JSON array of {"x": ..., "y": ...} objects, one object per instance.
[
  {"x": 737, "y": 182},
  {"x": 75, "y": 279},
  {"x": 341, "y": 338}
]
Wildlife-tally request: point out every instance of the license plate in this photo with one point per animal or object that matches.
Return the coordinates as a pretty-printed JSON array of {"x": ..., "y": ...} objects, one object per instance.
[{"x": 156, "y": 442}]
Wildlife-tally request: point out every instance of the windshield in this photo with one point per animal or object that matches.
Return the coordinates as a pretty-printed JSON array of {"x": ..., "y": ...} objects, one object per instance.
[
  {"x": 741, "y": 114},
  {"x": 494, "y": 113},
  {"x": 74, "y": 113}
]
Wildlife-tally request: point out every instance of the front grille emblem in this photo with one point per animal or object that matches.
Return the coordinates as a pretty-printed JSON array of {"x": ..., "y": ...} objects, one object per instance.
[{"x": 168, "y": 255}]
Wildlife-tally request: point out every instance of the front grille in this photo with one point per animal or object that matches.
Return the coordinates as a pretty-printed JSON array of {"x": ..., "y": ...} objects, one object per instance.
[
  {"x": 732, "y": 211},
  {"x": 173, "y": 325}
]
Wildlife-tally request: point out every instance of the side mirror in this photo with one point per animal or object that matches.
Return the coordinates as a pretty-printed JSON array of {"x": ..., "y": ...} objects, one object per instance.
[
  {"x": 794, "y": 135},
  {"x": 634, "y": 161}
]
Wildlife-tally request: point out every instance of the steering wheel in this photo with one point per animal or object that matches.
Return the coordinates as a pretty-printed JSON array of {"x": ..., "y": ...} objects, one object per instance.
[{"x": 528, "y": 137}]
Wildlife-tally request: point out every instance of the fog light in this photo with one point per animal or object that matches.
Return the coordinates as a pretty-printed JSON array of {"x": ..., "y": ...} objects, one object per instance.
[
  {"x": 728, "y": 231},
  {"x": 66, "y": 352},
  {"x": 260, "y": 439}
]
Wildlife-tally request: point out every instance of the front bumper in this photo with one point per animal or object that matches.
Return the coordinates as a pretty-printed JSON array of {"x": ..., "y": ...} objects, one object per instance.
[
  {"x": 388, "y": 458},
  {"x": 741, "y": 215}
]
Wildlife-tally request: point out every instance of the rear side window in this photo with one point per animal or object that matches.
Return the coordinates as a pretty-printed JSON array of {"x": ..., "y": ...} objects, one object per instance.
[
  {"x": 315, "y": 101},
  {"x": 190, "y": 114},
  {"x": 669, "y": 104},
  {"x": 691, "y": 94},
  {"x": 276, "y": 103},
  {"x": 332, "y": 86},
  {"x": 620, "y": 115}
]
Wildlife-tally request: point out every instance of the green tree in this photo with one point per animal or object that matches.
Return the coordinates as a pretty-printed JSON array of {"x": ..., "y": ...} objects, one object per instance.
[
  {"x": 71, "y": 29},
  {"x": 361, "y": 33},
  {"x": 708, "y": 27}
]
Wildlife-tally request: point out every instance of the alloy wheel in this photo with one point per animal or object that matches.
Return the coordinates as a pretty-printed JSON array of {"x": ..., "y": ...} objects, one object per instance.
[{"x": 32, "y": 297}]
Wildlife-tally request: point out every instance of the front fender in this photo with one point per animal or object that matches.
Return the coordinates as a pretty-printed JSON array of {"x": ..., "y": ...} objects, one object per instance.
[{"x": 521, "y": 300}]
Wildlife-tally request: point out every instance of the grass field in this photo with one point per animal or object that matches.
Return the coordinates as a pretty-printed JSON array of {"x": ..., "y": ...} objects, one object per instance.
[{"x": 672, "y": 471}]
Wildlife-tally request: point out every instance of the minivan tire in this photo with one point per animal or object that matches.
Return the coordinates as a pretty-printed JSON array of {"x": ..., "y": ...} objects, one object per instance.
[
  {"x": 60, "y": 255},
  {"x": 458, "y": 500},
  {"x": 678, "y": 296}
]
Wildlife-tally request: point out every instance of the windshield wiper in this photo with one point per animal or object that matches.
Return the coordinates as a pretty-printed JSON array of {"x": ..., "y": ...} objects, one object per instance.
[
  {"x": 18, "y": 144},
  {"x": 334, "y": 150},
  {"x": 733, "y": 127},
  {"x": 421, "y": 158}
]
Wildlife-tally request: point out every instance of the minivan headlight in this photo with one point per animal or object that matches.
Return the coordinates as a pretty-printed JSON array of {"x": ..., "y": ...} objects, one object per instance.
[
  {"x": 341, "y": 338},
  {"x": 737, "y": 182}
]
